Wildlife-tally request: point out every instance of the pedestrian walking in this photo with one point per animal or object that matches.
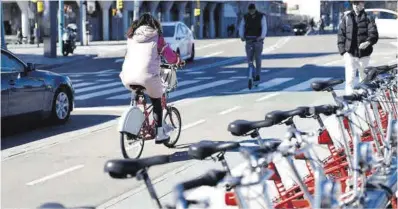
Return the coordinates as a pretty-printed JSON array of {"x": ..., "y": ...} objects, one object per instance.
[{"x": 356, "y": 36}]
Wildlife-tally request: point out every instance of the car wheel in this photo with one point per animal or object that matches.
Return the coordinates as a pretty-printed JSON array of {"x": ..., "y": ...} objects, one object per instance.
[
  {"x": 192, "y": 54},
  {"x": 62, "y": 105}
]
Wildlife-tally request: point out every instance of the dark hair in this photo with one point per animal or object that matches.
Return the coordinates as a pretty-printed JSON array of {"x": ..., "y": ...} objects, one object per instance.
[
  {"x": 252, "y": 6},
  {"x": 145, "y": 19}
]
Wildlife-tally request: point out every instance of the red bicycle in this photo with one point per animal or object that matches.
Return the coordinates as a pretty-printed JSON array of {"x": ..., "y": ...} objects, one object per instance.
[{"x": 135, "y": 126}]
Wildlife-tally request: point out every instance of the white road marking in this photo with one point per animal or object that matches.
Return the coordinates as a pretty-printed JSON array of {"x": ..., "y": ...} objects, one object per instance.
[
  {"x": 119, "y": 60},
  {"x": 264, "y": 71},
  {"x": 75, "y": 76},
  {"x": 82, "y": 84},
  {"x": 199, "y": 88},
  {"x": 193, "y": 124},
  {"x": 99, "y": 86},
  {"x": 101, "y": 93},
  {"x": 268, "y": 84},
  {"x": 205, "y": 78},
  {"x": 75, "y": 81},
  {"x": 333, "y": 62},
  {"x": 304, "y": 85},
  {"x": 209, "y": 55},
  {"x": 228, "y": 71},
  {"x": 59, "y": 173},
  {"x": 92, "y": 73},
  {"x": 215, "y": 44},
  {"x": 267, "y": 97},
  {"x": 126, "y": 96},
  {"x": 394, "y": 43},
  {"x": 105, "y": 80},
  {"x": 100, "y": 109},
  {"x": 105, "y": 75},
  {"x": 239, "y": 77},
  {"x": 230, "y": 110},
  {"x": 195, "y": 73},
  {"x": 232, "y": 60}
]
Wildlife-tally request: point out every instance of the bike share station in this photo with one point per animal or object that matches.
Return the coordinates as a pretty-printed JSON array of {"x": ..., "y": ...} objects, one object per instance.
[{"x": 361, "y": 171}]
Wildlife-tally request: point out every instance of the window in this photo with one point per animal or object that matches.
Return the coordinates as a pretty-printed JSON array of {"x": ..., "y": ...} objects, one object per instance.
[
  {"x": 184, "y": 29},
  {"x": 168, "y": 31},
  {"x": 10, "y": 64},
  {"x": 386, "y": 15},
  {"x": 180, "y": 31}
]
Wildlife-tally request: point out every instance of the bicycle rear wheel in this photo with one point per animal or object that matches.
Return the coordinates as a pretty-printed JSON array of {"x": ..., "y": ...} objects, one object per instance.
[
  {"x": 134, "y": 148},
  {"x": 172, "y": 121}
]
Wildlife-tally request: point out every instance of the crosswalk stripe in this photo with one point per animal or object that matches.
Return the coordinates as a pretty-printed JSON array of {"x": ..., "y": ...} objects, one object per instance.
[
  {"x": 195, "y": 73},
  {"x": 101, "y": 93},
  {"x": 268, "y": 84},
  {"x": 98, "y": 86},
  {"x": 126, "y": 96},
  {"x": 304, "y": 85},
  {"x": 239, "y": 77},
  {"x": 228, "y": 71},
  {"x": 205, "y": 78},
  {"x": 198, "y": 88},
  {"x": 82, "y": 84},
  {"x": 75, "y": 81}
]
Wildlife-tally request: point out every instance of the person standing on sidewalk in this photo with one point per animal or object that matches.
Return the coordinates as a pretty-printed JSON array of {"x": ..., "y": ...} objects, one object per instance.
[
  {"x": 355, "y": 39},
  {"x": 254, "y": 24}
]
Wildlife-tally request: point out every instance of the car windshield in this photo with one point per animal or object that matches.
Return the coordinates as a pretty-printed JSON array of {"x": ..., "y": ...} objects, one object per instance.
[{"x": 168, "y": 31}]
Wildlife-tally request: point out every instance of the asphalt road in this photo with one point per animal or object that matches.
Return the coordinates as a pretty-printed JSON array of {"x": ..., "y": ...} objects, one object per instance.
[{"x": 65, "y": 163}]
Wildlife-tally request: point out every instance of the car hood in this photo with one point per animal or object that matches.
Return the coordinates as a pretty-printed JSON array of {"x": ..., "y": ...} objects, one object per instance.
[{"x": 47, "y": 73}]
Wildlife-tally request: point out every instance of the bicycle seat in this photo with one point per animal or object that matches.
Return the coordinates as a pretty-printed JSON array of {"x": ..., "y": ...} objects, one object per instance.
[
  {"x": 205, "y": 149},
  {"x": 324, "y": 85},
  {"x": 128, "y": 168},
  {"x": 241, "y": 127},
  {"x": 278, "y": 116}
]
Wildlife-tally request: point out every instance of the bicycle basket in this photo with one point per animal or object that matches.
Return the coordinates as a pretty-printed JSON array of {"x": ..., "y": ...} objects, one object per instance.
[{"x": 169, "y": 79}]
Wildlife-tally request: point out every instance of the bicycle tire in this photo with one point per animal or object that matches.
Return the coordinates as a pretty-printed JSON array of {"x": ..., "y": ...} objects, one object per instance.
[
  {"x": 170, "y": 111},
  {"x": 123, "y": 147}
]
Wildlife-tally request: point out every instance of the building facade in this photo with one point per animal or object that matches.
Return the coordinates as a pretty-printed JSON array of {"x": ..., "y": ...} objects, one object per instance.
[{"x": 103, "y": 23}]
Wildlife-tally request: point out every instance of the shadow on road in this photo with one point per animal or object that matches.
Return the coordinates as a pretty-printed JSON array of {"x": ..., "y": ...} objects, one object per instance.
[{"x": 18, "y": 133}]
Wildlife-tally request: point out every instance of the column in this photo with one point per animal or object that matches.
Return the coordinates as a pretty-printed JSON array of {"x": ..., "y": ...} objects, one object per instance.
[
  {"x": 166, "y": 7},
  {"x": 212, "y": 32},
  {"x": 193, "y": 19},
  {"x": 83, "y": 19},
  {"x": 223, "y": 26},
  {"x": 181, "y": 10},
  {"x": 153, "y": 7},
  {"x": 125, "y": 20},
  {"x": 24, "y": 7},
  {"x": 3, "y": 42},
  {"x": 137, "y": 5},
  {"x": 201, "y": 19},
  {"x": 105, "y": 5}
]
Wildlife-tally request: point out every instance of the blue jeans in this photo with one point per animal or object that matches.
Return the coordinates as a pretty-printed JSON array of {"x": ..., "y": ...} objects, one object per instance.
[{"x": 254, "y": 50}]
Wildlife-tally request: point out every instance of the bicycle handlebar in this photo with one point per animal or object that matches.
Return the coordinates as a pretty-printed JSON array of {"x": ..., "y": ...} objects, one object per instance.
[{"x": 211, "y": 178}]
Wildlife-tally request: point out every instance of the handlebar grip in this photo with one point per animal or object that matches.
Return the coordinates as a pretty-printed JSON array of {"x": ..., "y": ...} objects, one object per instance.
[
  {"x": 353, "y": 97},
  {"x": 326, "y": 110},
  {"x": 211, "y": 178}
]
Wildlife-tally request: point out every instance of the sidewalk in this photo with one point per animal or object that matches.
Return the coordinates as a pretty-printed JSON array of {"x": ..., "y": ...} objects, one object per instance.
[{"x": 34, "y": 54}]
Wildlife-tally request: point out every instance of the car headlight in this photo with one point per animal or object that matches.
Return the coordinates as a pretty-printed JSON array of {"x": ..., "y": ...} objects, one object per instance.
[{"x": 295, "y": 30}]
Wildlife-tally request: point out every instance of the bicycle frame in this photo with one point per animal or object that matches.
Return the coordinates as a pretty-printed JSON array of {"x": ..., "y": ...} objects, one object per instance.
[{"x": 148, "y": 129}]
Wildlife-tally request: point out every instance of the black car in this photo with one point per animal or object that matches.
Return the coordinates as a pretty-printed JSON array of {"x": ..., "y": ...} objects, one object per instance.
[
  {"x": 300, "y": 29},
  {"x": 26, "y": 91}
]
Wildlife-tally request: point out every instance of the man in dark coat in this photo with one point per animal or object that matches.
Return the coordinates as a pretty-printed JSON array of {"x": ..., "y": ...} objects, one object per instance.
[{"x": 356, "y": 36}]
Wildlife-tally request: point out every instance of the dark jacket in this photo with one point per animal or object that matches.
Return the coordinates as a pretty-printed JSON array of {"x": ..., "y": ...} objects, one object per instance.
[
  {"x": 253, "y": 25},
  {"x": 355, "y": 30}
]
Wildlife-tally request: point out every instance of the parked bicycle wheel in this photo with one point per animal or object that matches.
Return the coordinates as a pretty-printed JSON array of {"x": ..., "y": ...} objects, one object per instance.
[
  {"x": 132, "y": 146},
  {"x": 173, "y": 122}
]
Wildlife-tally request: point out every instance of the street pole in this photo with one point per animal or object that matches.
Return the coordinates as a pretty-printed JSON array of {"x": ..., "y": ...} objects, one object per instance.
[
  {"x": 197, "y": 18},
  {"x": 3, "y": 42},
  {"x": 83, "y": 18},
  {"x": 60, "y": 23}
]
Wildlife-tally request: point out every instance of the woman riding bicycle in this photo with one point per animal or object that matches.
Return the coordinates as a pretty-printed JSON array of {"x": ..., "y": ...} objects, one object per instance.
[{"x": 141, "y": 65}]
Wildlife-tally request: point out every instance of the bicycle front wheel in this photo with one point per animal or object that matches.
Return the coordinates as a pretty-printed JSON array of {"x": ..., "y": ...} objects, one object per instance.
[
  {"x": 173, "y": 123},
  {"x": 131, "y": 146}
]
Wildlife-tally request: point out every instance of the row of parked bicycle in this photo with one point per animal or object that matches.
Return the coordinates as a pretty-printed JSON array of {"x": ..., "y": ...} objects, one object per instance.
[{"x": 361, "y": 171}]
